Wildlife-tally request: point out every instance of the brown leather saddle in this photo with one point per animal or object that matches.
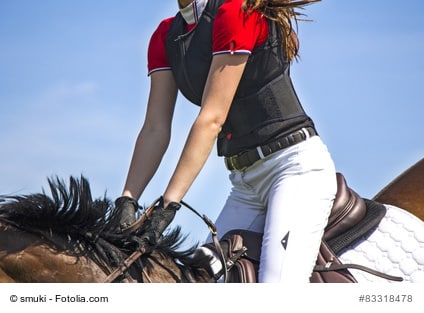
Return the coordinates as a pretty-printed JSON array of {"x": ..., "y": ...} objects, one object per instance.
[{"x": 351, "y": 218}]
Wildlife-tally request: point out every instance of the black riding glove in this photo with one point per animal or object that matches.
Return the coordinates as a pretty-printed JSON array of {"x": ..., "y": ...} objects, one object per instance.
[
  {"x": 158, "y": 221},
  {"x": 125, "y": 210}
]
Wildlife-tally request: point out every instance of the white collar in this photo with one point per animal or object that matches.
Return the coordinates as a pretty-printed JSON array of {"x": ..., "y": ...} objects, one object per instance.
[{"x": 193, "y": 11}]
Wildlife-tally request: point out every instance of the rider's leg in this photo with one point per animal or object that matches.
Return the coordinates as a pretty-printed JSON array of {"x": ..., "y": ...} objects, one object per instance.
[
  {"x": 298, "y": 186},
  {"x": 300, "y": 200}
]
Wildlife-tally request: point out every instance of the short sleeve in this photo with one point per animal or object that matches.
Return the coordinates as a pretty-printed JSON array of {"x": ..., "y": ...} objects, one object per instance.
[
  {"x": 236, "y": 31},
  {"x": 156, "y": 53}
]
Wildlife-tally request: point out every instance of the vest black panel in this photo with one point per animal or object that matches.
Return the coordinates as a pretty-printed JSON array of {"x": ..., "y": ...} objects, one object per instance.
[{"x": 265, "y": 105}]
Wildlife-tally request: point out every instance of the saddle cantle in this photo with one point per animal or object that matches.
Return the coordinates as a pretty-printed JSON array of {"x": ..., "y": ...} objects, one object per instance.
[
  {"x": 348, "y": 210},
  {"x": 351, "y": 219}
]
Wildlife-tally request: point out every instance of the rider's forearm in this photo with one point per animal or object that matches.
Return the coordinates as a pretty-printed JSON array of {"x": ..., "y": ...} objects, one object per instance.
[
  {"x": 154, "y": 136},
  {"x": 149, "y": 149},
  {"x": 197, "y": 149}
]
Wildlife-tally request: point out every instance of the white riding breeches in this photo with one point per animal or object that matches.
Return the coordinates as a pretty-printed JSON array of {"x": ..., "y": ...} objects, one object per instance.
[{"x": 287, "y": 196}]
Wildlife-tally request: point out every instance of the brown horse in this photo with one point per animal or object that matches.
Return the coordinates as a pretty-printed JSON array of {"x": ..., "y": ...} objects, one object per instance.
[{"x": 68, "y": 237}]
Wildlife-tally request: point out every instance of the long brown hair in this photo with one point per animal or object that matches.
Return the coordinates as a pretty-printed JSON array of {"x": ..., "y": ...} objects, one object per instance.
[{"x": 285, "y": 13}]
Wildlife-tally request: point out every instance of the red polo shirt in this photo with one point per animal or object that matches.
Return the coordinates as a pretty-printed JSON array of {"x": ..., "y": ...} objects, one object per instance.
[{"x": 234, "y": 31}]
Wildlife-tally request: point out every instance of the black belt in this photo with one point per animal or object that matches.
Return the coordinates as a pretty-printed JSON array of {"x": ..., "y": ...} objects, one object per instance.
[{"x": 245, "y": 159}]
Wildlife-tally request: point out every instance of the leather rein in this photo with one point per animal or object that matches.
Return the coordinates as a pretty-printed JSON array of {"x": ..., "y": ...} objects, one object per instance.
[{"x": 125, "y": 265}]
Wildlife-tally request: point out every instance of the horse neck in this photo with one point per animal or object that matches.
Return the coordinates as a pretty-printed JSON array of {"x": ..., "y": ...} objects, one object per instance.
[{"x": 29, "y": 257}]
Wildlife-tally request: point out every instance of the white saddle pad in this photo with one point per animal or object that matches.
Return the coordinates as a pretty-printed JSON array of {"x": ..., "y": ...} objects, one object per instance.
[{"x": 395, "y": 248}]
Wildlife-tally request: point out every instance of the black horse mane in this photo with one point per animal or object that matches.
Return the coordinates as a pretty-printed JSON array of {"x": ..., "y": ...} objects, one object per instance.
[{"x": 70, "y": 214}]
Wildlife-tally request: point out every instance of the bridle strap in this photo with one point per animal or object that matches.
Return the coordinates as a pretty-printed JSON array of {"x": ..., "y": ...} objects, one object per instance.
[
  {"x": 215, "y": 240},
  {"x": 146, "y": 275},
  {"x": 125, "y": 265}
]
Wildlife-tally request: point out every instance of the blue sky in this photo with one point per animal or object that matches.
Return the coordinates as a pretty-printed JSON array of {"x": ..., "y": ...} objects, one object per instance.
[{"x": 73, "y": 91}]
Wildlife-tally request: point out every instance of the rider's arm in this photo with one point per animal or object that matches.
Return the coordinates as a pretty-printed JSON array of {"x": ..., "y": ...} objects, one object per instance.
[
  {"x": 154, "y": 136},
  {"x": 224, "y": 76}
]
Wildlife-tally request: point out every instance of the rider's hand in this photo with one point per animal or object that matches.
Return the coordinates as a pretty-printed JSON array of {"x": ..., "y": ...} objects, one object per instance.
[
  {"x": 158, "y": 221},
  {"x": 125, "y": 210}
]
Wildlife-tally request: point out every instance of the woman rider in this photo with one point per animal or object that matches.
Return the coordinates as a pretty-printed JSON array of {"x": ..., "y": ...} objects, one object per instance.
[{"x": 232, "y": 58}]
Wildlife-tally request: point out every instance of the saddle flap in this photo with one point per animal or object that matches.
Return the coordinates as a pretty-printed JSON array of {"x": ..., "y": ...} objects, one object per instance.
[
  {"x": 252, "y": 241},
  {"x": 243, "y": 255},
  {"x": 242, "y": 272}
]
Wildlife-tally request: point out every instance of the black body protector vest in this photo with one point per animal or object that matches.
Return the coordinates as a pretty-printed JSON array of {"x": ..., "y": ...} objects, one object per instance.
[{"x": 265, "y": 106}]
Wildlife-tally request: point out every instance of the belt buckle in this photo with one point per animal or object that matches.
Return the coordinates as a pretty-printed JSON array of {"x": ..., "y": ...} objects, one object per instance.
[{"x": 229, "y": 162}]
